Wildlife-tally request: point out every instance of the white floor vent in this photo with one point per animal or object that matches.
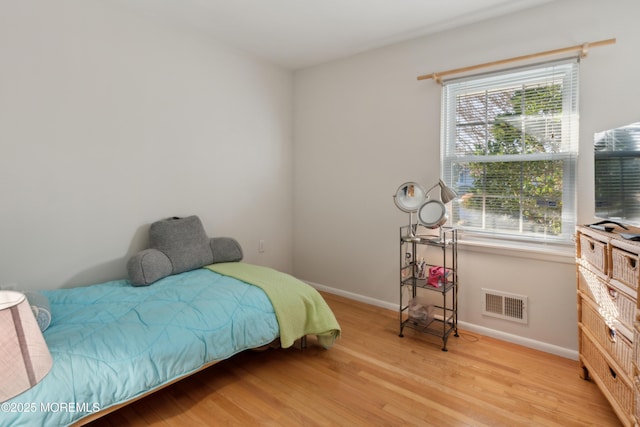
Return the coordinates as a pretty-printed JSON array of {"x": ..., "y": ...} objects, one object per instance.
[{"x": 504, "y": 305}]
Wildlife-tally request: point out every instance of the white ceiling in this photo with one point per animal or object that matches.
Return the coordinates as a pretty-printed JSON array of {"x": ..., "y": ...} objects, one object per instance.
[{"x": 302, "y": 33}]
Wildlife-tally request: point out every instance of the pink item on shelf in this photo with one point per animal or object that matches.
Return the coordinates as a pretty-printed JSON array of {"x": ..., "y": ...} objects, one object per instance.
[{"x": 438, "y": 276}]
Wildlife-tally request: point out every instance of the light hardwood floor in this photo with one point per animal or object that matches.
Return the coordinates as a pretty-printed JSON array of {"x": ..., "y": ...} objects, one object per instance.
[{"x": 372, "y": 377}]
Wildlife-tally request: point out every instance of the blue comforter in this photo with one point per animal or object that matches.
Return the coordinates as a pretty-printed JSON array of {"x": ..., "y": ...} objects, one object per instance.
[{"x": 112, "y": 342}]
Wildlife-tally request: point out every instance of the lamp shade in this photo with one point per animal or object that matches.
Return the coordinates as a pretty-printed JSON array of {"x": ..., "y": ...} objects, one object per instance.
[
  {"x": 24, "y": 355},
  {"x": 447, "y": 194}
]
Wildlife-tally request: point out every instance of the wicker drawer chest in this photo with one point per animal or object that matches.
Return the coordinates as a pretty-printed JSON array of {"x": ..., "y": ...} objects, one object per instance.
[{"x": 609, "y": 332}]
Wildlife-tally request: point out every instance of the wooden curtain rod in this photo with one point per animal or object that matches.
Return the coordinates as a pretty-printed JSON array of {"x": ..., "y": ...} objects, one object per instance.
[{"x": 582, "y": 48}]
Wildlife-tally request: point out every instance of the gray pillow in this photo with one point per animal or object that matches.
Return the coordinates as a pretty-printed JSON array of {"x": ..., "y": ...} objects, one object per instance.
[
  {"x": 183, "y": 241},
  {"x": 148, "y": 266},
  {"x": 225, "y": 249},
  {"x": 178, "y": 245}
]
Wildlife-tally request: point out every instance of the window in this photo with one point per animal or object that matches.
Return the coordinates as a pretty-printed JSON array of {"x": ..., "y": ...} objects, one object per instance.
[{"x": 509, "y": 148}]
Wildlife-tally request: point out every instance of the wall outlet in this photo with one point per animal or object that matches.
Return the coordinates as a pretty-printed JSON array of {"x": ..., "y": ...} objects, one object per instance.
[{"x": 261, "y": 246}]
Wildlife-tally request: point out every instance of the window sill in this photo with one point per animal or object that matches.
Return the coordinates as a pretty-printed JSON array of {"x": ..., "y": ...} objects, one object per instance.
[{"x": 554, "y": 252}]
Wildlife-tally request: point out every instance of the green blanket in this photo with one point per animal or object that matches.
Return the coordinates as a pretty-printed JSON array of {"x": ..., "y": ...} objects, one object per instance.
[{"x": 299, "y": 308}]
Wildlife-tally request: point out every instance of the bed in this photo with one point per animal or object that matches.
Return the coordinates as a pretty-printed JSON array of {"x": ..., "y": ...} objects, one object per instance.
[{"x": 112, "y": 343}]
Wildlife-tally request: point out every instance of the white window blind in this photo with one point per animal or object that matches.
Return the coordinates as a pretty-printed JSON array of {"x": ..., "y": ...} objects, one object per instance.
[
  {"x": 617, "y": 173},
  {"x": 509, "y": 148}
]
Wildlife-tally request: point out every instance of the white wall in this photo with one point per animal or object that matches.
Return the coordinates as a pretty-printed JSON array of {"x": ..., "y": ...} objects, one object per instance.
[
  {"x": 364, "y": 125},
  {"x": 110, "y": 121}
]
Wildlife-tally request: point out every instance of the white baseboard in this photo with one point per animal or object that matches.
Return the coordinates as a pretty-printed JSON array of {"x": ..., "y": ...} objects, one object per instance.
[
  {"x": 516, "y": 339},
  {"x": 351, "y": 295},
  {"x": 493, "y": 333}
]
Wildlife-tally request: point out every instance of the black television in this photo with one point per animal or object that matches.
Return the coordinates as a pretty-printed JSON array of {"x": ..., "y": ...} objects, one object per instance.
[{"x": 617, "y": 174}]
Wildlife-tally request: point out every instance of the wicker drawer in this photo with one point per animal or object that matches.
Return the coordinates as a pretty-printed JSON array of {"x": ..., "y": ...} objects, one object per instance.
[
  {"x": 606, "y": 374},
  {"x": 624, "y": 267},
  {"x": 593, "y": 251},
  {"x": 636, "y": 344},
  {"x": 637, "y": 398},
  {"x": 607, "y": 297},
  {"x": 616, "y": 344}
]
